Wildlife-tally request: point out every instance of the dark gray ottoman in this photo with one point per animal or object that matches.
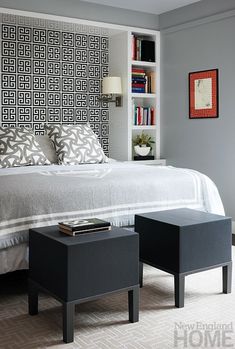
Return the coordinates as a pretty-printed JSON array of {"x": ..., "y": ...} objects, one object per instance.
[
  {"x": 81, "y": 268},
  {"x": 185, "y": 241}
]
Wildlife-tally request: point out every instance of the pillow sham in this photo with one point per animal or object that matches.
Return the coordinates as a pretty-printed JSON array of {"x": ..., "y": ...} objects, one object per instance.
[
  {"x": 76, "y": 144},
  {"x": 18, "y": 147}
]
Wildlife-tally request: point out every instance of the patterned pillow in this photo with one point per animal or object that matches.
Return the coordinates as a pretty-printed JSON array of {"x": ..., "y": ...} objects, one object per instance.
[
  {"x": 76, "y": 144},
  {"x": 18, "y": 147}
]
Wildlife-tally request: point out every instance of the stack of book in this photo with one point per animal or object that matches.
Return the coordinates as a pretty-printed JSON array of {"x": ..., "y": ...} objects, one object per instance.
[
  {"x": 143, "y": 115},
  {"x": 139, "y": 80},
  {"x": 142, "y": 81},
  {"x": 81, "y": 226}
]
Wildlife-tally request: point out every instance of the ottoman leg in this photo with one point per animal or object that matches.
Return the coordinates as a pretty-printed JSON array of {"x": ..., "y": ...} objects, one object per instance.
[
  {"x": 179, "y": 290},
  {"x": 227, "y": 278},
  {"x": 32, "y": 298},
  {"x": 68, "y": 322},
  {"x": 141, "y": 270},
  {"x": 133, "y": 304}
]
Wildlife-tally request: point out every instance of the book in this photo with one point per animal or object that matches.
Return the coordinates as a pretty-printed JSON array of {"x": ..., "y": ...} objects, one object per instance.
[
  {"x": 138, "y": 90},
  {"x": 138, "y": 85},
  {"x": 152, "y": 82},
  {"x": 85, "y": 231},
  {"x": 133, "y": 46},
  {"x": 147, "y": 50},
  {"x": 136, "y": 80},
  {"x": 83, "y": 225},
  {"x": 138, "y": 70}
]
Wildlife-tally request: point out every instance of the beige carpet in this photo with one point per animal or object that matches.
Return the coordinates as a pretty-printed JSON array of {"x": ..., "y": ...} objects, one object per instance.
[{"x": 103, "y": 324}]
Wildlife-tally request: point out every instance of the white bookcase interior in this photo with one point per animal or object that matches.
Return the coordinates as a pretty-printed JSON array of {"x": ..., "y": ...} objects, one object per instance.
[{"x": 122, "y": 125}]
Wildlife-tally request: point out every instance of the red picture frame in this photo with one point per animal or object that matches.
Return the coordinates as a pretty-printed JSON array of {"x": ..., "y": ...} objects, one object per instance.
[{"x": 203, "y": 94}]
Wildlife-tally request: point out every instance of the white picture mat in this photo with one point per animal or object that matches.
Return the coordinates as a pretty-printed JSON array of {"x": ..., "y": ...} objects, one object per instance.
[{"x": 203, "y": 93}]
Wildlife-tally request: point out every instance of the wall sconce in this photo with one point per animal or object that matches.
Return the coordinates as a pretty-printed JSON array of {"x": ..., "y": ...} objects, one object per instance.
[{"x": 111, "y": 85}]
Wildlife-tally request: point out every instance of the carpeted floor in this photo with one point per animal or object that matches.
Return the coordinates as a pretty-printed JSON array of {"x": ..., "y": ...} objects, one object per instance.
[{"x": 103, "y": 324}]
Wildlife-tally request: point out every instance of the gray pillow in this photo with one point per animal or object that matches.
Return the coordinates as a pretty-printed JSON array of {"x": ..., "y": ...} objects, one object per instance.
[
  {"x": 76, "y": 144},
  {"x": 47, "y": 147},
  {"x": 18, "y": 147}
]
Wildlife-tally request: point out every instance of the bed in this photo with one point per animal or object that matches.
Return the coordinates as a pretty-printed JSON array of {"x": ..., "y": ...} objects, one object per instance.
[{"x": 34, "y": 196}]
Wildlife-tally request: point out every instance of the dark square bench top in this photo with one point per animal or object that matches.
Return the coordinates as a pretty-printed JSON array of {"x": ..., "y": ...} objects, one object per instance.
[
  {"x": 183, "y": 217},
  {"x": 54, "y": 234}
]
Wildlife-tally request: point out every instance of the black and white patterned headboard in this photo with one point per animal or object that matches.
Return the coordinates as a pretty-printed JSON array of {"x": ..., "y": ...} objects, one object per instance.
[{"x": 51, "y": 72}]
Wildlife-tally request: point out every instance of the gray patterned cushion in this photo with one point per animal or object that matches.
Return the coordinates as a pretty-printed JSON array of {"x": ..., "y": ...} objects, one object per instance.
[
  {"x": 76, "y": 144},
  {"x": 18, "y": 147}
]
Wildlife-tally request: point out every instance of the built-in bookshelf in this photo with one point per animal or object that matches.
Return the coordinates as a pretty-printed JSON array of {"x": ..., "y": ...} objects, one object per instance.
[
  {"x": 145, "y": 61},
  {"x": 141, "y": 103}
]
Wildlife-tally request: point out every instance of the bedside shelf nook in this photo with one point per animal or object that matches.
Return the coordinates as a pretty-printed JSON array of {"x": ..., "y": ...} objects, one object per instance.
[{"x": 142, "y": 76}]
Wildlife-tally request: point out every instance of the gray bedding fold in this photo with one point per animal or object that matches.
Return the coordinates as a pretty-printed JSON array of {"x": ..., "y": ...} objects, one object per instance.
[{"x": 40, "y": 196}]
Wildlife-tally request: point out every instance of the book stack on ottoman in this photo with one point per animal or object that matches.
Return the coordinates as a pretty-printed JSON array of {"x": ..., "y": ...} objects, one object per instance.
[{"x": 80, "y": 226}]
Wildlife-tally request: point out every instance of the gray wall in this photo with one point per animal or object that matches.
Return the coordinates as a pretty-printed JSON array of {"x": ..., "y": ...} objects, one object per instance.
[
  {"x": 84, "y": 10},
  {"x": 195, "y": 11},
  {"x": 205, "y": 145}
]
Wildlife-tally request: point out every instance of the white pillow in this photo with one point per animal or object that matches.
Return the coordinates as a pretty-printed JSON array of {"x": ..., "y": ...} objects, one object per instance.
[{"x": 76, "y": 144}]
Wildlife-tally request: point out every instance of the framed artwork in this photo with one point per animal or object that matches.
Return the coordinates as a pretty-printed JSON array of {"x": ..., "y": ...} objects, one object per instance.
[{"x": 203, "y": 94}]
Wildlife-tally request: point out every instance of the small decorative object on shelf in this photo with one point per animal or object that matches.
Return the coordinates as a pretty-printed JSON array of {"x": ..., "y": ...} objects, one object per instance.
[
  {"x": 142, "y": 151},
  {"x": 143, "y": 144}
]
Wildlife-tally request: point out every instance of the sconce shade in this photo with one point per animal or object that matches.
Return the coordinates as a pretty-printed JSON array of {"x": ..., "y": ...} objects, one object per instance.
[{"x": 112, "y": 85}]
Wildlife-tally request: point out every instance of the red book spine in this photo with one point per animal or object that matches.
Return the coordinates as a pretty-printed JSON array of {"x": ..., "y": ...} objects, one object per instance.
[
  {"x": 138, "y": 116},
  {"x": 138, "y": 85},
  {"x": 133, "y": 43},
  {"x": 138, "y": 70},
  {"x": 152, "y": 116}
]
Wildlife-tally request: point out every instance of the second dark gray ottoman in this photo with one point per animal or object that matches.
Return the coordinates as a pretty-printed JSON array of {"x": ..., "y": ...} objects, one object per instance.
[{"x": 185, "y": 241}]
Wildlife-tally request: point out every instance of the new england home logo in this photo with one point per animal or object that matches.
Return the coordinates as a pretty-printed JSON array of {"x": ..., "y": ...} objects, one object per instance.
[{"x": 204, "y": 335}]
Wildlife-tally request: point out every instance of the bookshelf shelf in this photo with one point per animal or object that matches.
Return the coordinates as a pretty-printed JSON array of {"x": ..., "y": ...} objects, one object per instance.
[
  {"x": 144, "y": 127},
  {"x": 143, "y": 64},
  {"x": 143, "y": 95}
]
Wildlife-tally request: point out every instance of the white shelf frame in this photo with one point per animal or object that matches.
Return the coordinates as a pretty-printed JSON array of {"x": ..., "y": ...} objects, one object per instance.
[
  {"x": 143, "y": 95},
  {"x": 144, "y": 127},
  {"x": 154, "y": 98},
  {"x": 143, "y": 64}
]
